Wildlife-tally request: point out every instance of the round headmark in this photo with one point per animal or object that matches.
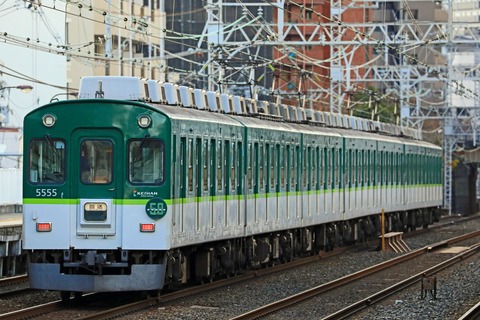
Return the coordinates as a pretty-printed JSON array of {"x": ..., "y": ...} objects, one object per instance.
[{"x": 156, "y": 208}]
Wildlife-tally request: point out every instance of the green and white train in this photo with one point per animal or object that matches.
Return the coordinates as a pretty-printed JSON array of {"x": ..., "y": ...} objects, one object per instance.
[{"x": 138, "y": 185}]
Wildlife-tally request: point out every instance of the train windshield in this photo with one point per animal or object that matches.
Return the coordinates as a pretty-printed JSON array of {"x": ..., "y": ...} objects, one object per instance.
[
  {"x": 146, "y": 161},
  {"x": 47, "y": 161}
]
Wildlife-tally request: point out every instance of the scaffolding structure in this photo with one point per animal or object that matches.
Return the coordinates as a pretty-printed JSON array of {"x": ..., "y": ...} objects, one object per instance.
[{"x": 410, "y": 81}]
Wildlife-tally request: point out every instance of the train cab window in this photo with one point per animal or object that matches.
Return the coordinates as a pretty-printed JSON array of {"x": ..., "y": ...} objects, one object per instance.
[
  {"x": 96, "y": 161},
  {"x": 47, "y": 161},
  {"x": 146, "y": 159}
]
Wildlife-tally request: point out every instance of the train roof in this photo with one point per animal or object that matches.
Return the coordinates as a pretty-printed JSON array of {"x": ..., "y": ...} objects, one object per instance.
[{"x": 179, "y": 102}]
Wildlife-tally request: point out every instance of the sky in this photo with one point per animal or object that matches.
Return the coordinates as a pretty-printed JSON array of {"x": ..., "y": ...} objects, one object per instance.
[{"x": 46, "y": 25}]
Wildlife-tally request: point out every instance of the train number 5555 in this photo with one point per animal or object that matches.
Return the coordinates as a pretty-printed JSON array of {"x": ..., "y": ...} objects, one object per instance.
[{"x": 46, "y": 192}]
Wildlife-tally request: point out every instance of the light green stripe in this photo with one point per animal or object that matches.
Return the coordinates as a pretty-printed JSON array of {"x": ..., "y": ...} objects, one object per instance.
[{"x": 142, "y": 202}]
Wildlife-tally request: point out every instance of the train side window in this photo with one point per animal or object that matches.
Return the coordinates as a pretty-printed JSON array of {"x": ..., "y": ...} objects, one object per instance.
[
  {"x": 239, "y": 166},
  {"x": 270, "y": 167},
  {"x": 96, "y": 161},
  {"x": 47, "y": 161},
  {"x": 233, "y": 167},
  {"x": 219, "y": 166},
  {"x": 255, "y": 166},
  {"x": 183, "y": 169},
  {"x": 146, "y": 161},
  {"x": 213, "y": 164}
]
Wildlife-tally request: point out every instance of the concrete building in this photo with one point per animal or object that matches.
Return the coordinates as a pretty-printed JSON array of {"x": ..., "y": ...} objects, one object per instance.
[{"x": 115, "y": 38}]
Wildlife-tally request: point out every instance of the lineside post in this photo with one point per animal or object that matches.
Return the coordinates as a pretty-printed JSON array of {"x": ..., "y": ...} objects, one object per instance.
[{"x": 383, "y": 229}]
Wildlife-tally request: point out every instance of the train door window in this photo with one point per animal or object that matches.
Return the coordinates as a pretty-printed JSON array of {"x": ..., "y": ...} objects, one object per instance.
[
  {"x": 338, "y": 167},
  {"x": 174, "y": 167},
  {"x": 283, "y": 153},
  {"x": 233, "y": 167},
  {"x": 47, "y": 161},
  {"x": 322, "y": 167},
  {"x": 327, "y": 167},
  {"x": 279, "y": 167},
  {"x": 190, "y": 159},
  {"x": 267, "y": 167},
  {"x": 292, "y": 166},
  {"x": 317, "y": 168},
  {"x": 273, "y": 160},
  {"x": 348, "y": 167},
  {"x": 205, "y": 160},
  {"x": 249, "y": 166},
  {"x": 219, "y": 166},
  {"x": 298, "y": 161},
  {"x": 304, "y": 168},
  {"x": 261, "y": 163},
  {"x": 96, "y": 158},
  {"x": 333, "y": 168},
  {"x": 288, "y": 161},
  {"x": 313, "y": 167},
  {"x": 354, "y": 167}
]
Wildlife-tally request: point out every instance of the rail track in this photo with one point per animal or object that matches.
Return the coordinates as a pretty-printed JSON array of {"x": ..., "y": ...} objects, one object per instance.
[
  {"x": 14, "y": 285},
  {"x": 145, "y": 304},
  {"x": 379, "y": 296}
]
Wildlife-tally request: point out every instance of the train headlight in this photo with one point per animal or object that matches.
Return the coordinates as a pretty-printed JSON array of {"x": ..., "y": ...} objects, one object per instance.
[
  {"x": 49, "y": 120},
  {"x": 144, "y": 121}
]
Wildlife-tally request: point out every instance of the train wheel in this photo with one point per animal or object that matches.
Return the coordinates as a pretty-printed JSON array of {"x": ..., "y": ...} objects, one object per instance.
[{"x": 65, "y": 296}]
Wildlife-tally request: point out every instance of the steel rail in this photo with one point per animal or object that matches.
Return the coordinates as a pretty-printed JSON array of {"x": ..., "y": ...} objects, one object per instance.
[
  {"x": 307, "y": 294},
  {"x": 472, "y": 314}
]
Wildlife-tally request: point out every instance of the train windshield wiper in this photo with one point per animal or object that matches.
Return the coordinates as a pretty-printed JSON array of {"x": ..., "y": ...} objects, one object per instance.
[{"x": 136, "y": 156}]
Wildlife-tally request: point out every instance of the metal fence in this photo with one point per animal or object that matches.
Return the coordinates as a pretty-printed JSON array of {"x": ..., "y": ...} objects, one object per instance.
[{"x": 10, "y": 186}]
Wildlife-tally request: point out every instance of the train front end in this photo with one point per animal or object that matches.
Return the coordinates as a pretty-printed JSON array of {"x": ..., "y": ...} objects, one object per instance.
[{"x": 96, "y": 196}]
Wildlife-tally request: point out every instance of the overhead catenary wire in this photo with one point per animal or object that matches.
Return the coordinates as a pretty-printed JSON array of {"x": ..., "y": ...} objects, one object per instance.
[{"x": 186, "y": 55}]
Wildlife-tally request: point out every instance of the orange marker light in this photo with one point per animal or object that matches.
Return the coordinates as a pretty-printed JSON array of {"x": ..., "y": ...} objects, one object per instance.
[
  {"x": 147, "y": 227},
  {"x": 44, "y": 226}
]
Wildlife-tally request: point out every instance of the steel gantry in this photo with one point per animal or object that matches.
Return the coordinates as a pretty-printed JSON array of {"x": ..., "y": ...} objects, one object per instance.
[{"x": 409, "y": 57}]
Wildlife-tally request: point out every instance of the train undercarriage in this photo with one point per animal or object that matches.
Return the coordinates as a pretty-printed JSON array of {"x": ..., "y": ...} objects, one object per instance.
[
  {"x": 206, "y": 262},
  {"x": 122, "y": 270}
]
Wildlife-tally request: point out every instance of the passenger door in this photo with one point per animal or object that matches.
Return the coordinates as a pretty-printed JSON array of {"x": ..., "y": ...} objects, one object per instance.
[{"x": 97, "y": 158}]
